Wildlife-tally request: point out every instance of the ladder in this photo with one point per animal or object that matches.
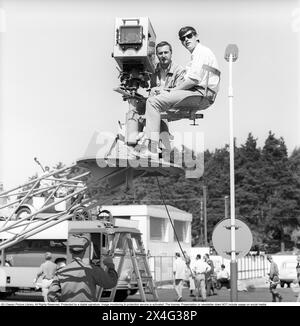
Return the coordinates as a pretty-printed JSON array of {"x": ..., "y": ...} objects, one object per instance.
[{"x": 138, "y": 259}]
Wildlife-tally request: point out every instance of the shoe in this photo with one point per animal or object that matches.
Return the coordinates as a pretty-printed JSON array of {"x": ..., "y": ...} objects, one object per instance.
[
  {"x": 192, "y": 295},
  {"x": 179, "y": 299}
]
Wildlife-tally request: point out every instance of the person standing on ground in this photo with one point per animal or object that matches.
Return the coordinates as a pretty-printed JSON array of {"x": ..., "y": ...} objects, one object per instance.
[
  {"x": 209, "y": 276},
  {"x": 200, "y": 268},
  {"x": 189, "y": 273},
  {"x": 47, "y": 271},
  {"x": 298, "y": 269},
  {"x": 77, "y": 281},
  {"x": 298, "y": 276},
  {"x": 179, "y": 271},
  {"x": 274, "y": 279}
]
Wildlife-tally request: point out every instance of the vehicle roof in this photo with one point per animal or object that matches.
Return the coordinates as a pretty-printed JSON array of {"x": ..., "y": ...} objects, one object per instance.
[
  {"x": 98, "y": 227},
  {"x": 289, "y": 261},
  {"x": 60, "y": 230}
]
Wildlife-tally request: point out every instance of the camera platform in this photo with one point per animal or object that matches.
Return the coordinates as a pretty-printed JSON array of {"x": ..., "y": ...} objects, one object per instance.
[{"x": 115, "y": 171}]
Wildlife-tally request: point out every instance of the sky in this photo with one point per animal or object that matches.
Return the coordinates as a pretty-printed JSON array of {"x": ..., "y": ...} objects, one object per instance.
[{"x": 57, "y": 74}]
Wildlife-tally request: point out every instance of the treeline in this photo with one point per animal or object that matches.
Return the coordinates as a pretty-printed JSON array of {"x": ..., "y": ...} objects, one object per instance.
[{"x": 267, "y": 188}]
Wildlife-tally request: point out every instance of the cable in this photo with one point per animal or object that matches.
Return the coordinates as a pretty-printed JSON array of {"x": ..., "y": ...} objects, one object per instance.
[{"x": 177, "y": 239}]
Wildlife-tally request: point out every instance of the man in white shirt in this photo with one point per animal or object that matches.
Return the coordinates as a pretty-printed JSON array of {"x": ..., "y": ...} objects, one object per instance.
[
  {"x": 193, "y": 83},
  {"x": 223, "y": 278},
  {"x": 200, "y": 268},
  {"x": 179, "y": 271}
]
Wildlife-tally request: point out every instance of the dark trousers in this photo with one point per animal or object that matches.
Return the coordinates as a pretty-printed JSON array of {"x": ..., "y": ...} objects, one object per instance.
[
  {"x": 210, "y": 286},
  {"x": 274, "y": 293},
  {"x": 223, "y": 282}
]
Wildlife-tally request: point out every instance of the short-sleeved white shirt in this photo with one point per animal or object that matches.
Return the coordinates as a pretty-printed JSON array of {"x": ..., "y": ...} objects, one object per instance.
[
  {"x": 202, "y": 55},
  {"x": 199, "y": 266},
  {"x": 179, "y": 268},
  {"x": 223, "y": 274}
]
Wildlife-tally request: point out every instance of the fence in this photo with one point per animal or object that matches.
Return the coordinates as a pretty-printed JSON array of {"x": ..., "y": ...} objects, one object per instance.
[
  {"x": 249, "y": 267},
  {"x": 161, "y": 268}
]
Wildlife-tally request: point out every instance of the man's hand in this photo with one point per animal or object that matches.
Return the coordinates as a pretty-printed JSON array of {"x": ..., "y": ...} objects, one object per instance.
[
  {"x": 185, "y": 85},
  {"x": 108, "y": 262},
  {"x": 36, "y": 285},
  {"x": 155, "y": 91}
]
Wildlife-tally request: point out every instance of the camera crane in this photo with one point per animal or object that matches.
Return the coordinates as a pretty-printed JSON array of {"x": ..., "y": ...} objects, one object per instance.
[{"x": 134, "y": 52}]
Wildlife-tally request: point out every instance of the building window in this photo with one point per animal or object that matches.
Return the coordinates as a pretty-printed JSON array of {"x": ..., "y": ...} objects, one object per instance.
[
  {"x": 157, "y": 228},
  {"x": 181, "y": 230}
]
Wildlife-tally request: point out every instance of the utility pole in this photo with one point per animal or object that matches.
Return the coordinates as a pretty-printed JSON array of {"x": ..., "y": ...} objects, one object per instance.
[
  {"x": 201, "y": 242},
  {"x": 205, "y": 216},
  {"x": 226, "y": 206}
]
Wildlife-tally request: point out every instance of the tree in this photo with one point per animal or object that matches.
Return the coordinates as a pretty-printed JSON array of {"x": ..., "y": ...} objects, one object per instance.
[
  {"x": 248, "y": 174},
  {"x": 280, "y": 199}
]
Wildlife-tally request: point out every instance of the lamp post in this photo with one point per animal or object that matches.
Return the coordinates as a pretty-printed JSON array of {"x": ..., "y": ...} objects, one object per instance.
[
  {"x": 231, "y": 55},
  {"x": 205, "y": 216}
]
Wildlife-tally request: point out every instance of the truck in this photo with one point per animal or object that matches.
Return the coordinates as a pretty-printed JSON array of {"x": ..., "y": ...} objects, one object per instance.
[{"x": 20, "y": 262}]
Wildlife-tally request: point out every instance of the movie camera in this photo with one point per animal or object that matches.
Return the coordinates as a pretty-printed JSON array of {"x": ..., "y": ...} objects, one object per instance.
[{"x": 134, "y": 52}]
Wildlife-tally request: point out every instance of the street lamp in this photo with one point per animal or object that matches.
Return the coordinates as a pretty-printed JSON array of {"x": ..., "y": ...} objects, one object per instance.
[{"x": 231, "y": 55}]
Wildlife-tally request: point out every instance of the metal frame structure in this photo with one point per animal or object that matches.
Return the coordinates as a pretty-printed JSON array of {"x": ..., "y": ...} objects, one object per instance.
[{"x": 18, "y": 229}]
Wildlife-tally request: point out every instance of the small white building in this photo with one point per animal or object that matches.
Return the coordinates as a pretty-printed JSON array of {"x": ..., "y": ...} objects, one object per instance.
[{"x": 156, "y": 228}]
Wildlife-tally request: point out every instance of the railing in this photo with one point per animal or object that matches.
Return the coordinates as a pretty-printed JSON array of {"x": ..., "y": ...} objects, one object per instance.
[
  {"x": 161, "y": 268},
  {"x": 249, "y": 267}
]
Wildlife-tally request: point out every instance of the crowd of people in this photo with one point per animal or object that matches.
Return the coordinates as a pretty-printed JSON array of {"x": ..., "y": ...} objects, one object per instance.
[
  {"x": 203, "y": 279},
  {"x": 200, "y": 275}
]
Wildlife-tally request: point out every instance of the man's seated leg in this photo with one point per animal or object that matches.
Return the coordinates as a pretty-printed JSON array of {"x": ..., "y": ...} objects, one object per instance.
[
  {"x": 225, "y": 282},
  {"x": 154, "y": 106}
]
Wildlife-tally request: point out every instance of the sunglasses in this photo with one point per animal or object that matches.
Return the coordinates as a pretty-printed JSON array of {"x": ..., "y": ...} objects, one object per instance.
[{"x": 189, "y": 36}]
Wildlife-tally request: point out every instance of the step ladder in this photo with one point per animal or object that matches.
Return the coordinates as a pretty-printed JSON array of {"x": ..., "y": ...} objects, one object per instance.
[{"x": 138, "y": 256}]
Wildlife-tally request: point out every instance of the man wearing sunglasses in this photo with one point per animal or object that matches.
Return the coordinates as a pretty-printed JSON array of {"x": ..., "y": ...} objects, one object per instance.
[{"x": 193, "y": 83}]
